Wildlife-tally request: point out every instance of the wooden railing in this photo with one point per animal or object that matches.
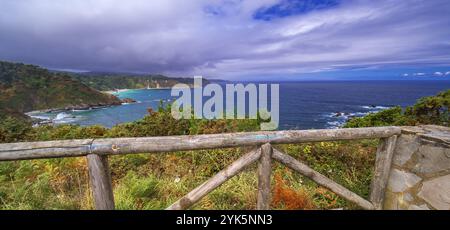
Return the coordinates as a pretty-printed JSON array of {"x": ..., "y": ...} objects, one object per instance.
[{"x": 97, "y": 150}]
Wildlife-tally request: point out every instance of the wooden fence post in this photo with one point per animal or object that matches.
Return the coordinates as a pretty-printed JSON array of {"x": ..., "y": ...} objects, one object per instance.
[
  {"x": 100, "y": 178},
  {"x": 264, "y": 171},
  {"x": 383, "y": 162}
]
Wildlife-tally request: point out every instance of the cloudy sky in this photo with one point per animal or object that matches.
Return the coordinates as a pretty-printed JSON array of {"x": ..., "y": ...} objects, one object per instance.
[{"x": 231, "y": 39}]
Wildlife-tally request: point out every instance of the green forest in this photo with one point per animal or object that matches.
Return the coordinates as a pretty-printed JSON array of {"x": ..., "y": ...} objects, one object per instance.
[
  {"x": 108, "y": 81},
  {"x": 26, "y": 88}
]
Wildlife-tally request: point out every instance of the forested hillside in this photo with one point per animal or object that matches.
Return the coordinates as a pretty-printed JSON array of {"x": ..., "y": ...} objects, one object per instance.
[
  {"x": 25, "y": 88},
  {"x": 112, "y": 81}
]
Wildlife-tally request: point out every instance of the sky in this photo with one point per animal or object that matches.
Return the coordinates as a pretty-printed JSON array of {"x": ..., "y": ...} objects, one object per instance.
[{"x": 233, "y": 39}]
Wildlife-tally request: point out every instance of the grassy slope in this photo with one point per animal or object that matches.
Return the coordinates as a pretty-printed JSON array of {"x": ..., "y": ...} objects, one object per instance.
[{"x": 25, "y": 88}]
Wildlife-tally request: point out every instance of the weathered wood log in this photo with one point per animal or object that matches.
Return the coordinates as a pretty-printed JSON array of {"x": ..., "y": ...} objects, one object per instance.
[
  {"x": 100, "y": 178},
  {"x": 264, "y": 171},
  {"x": 183, "y": 143},
  {"x": 215, "y": 181},
  {"x": 321, "y": 179},
  {"x": 74, "y": 148},
  {"x": 383, "y": 162},
  {"x": 47, "y": 149}
]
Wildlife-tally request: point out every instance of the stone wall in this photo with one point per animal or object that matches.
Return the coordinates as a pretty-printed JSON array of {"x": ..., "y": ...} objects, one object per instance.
[{"x": 420, "y": 175}]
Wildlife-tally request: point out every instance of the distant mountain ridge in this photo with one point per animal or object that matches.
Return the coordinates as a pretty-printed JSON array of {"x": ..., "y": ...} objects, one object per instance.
[
  {"x": 113, "y": 81},
  {"x": 25, "y": 88}
]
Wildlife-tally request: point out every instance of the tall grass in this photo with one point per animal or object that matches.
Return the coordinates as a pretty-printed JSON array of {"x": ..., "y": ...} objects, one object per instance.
[{"x": 154, "y": 181}]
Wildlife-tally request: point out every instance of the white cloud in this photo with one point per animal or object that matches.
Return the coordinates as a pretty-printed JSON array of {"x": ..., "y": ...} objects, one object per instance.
[
  {"x": 420, "y": 74},
  {"x": 182, "y": 38}
]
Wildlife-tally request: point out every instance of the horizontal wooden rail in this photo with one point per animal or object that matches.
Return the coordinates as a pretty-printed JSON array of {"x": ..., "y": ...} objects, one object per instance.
[{"x": 76, "y": 148}]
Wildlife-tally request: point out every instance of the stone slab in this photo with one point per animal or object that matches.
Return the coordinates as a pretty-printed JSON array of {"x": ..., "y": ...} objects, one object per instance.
[
  {"x": 400, "y": 181},
  {"x": 406, "y": 146},
  {"x": 436, "y": 192},
  {"x": 432, "y": 159}
]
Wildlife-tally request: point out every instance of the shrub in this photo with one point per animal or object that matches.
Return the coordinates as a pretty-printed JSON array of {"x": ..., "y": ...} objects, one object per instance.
[
  {"x": 431, "y": 110},
  {"x": 288, "y": 198},
  {"x": 427, "y": 110},
  {"x": 392, "y": 116},
  {"x": 14, "y": 130}
]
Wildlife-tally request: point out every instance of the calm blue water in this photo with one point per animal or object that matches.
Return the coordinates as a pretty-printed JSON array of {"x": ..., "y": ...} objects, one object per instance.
[{"x": 303, "y": 105}]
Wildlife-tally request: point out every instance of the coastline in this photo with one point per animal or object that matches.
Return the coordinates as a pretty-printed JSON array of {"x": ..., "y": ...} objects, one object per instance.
[
  {"x": 39, "y": 118},
  {"x": 126, "y": 90},
  {"x": 49, "y": 116},
  {"x": 60, "y": 110},
  {"x": 116, "y": 91}
]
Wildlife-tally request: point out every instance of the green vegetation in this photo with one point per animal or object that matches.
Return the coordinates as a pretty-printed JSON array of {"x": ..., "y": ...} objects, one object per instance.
[
  {"x": 108, "y": 81},
  {"x": 154, "y": 181},
  {"x": 427, "y": 110},
  {"x": 26, "y": 88},
  {"x": 14, "y": 129}
]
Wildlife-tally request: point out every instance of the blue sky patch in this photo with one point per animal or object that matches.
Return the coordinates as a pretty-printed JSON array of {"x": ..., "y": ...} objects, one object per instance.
[{"x": 293, "y": 7}]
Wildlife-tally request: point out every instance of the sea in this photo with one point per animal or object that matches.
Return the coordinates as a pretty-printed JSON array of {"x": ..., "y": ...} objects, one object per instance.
[{"x": 303, "y": 105}]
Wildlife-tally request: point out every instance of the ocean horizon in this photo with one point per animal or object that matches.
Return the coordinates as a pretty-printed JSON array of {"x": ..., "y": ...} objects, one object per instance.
[{"x": 303, "y": 105}]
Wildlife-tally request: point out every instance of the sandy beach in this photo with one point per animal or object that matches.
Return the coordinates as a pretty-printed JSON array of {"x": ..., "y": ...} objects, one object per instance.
[{"x": 116, "y": 91}]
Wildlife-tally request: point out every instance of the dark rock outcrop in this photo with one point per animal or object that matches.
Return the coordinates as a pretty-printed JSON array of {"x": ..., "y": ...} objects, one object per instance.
[{"x": 128, "y": 100}]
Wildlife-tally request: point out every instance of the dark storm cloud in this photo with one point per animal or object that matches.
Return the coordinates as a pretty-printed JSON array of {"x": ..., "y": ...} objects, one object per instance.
[{"x": 223, "y": 38}]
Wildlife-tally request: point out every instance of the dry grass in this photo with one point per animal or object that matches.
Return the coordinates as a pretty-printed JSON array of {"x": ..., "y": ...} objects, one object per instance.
[{"x": 287, "y": 198}]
